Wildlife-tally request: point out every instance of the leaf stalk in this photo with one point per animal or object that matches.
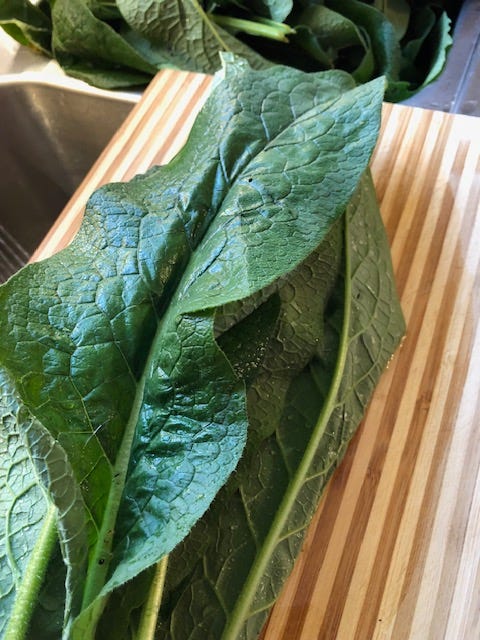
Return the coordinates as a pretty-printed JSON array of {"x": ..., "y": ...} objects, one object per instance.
[
  {"x": 244, "y": 601},
  {"x": 262, "y": 28},
  {"x": 33, "y": 577},
  {"x": 148, "y": 621}
]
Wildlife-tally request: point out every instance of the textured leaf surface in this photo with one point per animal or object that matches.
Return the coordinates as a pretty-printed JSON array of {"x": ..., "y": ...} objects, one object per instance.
[
  {"x": 138, "y": 416},
  {"x": 80, "y": 38},
  {"x": 23, "y": 509},
  {"x": 187, "y": 33},
  {"x": 227, "y": 574}
]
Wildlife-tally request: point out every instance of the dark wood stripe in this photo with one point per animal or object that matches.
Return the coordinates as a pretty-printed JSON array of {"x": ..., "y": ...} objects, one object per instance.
[
  {"x": 319, "y": 537},
  {"x": 445, "y": 432},
  {"x": 402, "y": 484},
  {"x": 390, "y": 150},
  {"x": 416, "y": 223}
]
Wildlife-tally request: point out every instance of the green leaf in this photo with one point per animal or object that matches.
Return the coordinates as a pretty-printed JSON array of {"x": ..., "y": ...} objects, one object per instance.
[
  {"x": 382, "y": 34},
  {"x": 397, "y": 12},
  {"x": 383, "y": 40},
  {"x": 334, "y": 40},
  {"x": 84, "y": 44},
  {"x": 48, "y": 617},
  {"x": 423, "y": 21},
  {"x": 226, "y": 575},
  {"x": 121, "y": 618},
  {"x": 138, "y": 417},
  {"x": 277, "y": 10},
  {"x": 104, "y": 9},
  {"x": 27, "y": 522},
  {"x": 365, "y": 67},
  {"x": 442, "y": 41},
  {"x": 189, "y": 35},
  {"x": 104, "y": 77},
  {"x": 27, "y": 24},
  {"x": 333, "y": 30},
  {"x": 425, "y": 46}
]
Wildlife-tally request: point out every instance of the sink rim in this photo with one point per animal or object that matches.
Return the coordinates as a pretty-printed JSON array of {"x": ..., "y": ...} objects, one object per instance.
[
  {"x": 68, "y": 84},
  {"x": 32, "y": 82}
]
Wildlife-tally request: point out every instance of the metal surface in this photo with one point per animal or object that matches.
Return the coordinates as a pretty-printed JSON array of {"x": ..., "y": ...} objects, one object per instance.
[
  {"x": 50, "y": 135},
  {"x": 457, "y": 90}
]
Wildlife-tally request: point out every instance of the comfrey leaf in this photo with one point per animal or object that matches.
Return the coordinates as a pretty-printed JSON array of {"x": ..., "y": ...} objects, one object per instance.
[
  {"x": 186, "y": 32},
  {"x": 308, "y": 397},
  {"x": 111, "y": 342}
]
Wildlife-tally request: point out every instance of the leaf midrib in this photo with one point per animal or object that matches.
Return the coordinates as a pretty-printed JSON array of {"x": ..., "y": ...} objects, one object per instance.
[
  {"x": 267, "y": 145},
  {"x": 209, "y": 24},
  {"x": 100, "y": 561},
  {"x": 243, "y": 603}
]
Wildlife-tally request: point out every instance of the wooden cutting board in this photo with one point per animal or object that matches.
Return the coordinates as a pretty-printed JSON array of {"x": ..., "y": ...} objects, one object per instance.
[{"x": 393, "y": 551}]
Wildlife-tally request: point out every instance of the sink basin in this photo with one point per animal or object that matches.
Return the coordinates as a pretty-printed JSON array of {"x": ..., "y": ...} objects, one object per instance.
[{"x": 51, "y": 133}]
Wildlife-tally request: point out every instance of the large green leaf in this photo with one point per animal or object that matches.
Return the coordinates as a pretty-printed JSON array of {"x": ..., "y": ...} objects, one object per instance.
[
  {"x": 136, "y": 412},
  {"x": 80, "y": 39},
  {"x": 332, "y": 39},
  {"x": 308, "y": 398},
  {"x": 186, "y": 32}
]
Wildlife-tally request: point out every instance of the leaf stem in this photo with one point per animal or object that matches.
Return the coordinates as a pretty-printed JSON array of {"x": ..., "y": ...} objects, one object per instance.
[
  {"x": 265, "y": 29},
  {"x": 244, "y": 601},
  {"x": 148, "y": 621},
  {"x": 99, "y": 563},
  {"x": 33, "y": 576},
  {"x": 101, "y": 556}
]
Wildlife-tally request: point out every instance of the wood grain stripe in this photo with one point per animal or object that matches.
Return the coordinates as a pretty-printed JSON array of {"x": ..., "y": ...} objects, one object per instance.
[
  {"x": 450, "y": 386},
  {"x": 413, "y": 444},
  {"x": 393, "y": 552}
]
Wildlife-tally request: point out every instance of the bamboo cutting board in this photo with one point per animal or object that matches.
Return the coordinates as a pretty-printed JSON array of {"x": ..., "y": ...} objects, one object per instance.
[{"x": 394, "y": 549}]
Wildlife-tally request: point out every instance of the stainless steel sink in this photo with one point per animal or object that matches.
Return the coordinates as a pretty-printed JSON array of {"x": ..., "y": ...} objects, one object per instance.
[{"x": 51, "y": 132}]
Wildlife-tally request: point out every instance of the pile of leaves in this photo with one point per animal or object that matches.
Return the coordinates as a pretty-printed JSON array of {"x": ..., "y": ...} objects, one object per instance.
[
  {"x": 124, "y": 42},
  {"x": 177, "y": 385}
]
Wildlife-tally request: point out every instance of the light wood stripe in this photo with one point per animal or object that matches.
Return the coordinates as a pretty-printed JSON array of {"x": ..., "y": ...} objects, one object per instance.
[{"x": 393, "y": 552}]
